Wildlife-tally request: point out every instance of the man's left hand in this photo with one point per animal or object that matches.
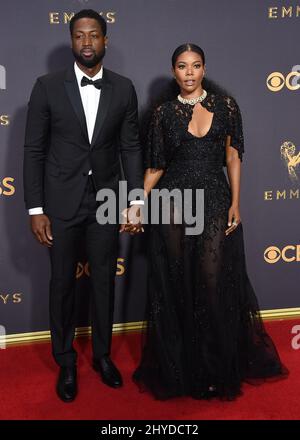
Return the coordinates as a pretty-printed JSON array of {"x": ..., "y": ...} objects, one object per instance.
[{"x": 134, "y": 220}]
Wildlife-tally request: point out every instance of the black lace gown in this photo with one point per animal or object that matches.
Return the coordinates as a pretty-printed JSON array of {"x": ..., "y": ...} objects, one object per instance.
[{"x": 204, "y": 335}]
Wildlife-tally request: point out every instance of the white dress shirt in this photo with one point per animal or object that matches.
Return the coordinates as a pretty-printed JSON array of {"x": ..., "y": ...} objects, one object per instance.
[{"x": 90, "y": 97}]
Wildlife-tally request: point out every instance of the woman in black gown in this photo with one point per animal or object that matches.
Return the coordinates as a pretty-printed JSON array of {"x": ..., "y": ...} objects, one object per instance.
[{"x": 204, "y": 335}]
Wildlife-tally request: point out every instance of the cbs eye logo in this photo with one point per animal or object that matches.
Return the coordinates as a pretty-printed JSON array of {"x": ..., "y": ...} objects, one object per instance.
[
  {"x": 276, "y": 80},
  {"x": 6, "y": 187},
  {"x": 289, "y": 253}
]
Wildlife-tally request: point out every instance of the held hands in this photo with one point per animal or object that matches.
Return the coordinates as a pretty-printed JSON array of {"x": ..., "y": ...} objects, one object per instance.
[
  {"x": 41, "y": 228},
  {"x": 234, "y": 219},
  {"x": 134, "y": 218}
]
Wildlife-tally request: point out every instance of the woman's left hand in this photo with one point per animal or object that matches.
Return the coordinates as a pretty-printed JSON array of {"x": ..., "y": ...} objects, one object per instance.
[{"x": 234, "y": 219}]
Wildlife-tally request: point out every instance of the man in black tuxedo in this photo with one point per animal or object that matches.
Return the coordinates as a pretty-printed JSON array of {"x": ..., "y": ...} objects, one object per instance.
[{"x": 78, "y": 122}]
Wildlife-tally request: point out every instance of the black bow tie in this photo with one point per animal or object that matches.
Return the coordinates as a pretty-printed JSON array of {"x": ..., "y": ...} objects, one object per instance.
[{"x": 86, "y": 81}]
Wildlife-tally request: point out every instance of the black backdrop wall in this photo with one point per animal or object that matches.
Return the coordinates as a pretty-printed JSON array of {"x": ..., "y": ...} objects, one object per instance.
[{"x": 252, "y": 50}]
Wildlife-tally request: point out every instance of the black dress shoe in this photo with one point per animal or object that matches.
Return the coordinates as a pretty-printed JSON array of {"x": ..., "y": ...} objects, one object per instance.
[
  {"x": 207, "y": 394},
  {"x": 108, "y": 371},
  {"x": 66, "y": 387}
]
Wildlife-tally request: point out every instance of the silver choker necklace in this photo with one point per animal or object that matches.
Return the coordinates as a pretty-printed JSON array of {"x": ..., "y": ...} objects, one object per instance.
[{"x": 192, "y": 101}]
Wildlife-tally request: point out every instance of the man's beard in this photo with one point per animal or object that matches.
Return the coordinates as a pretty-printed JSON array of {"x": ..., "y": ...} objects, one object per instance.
[{"x": 92, "y": 62}]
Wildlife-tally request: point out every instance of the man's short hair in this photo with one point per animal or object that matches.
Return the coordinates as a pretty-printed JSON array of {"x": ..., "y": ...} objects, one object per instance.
[{"x": 89, "y": 13}]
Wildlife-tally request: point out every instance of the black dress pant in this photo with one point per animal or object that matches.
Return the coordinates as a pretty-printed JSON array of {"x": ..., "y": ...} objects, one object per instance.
[{"x": 101, "y": 247}]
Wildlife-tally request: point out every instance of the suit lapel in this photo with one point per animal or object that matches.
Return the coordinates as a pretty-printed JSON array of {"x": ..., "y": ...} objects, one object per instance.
[
  {"x": 75, "y": 98},
  {"x": 105, "y": 98}
]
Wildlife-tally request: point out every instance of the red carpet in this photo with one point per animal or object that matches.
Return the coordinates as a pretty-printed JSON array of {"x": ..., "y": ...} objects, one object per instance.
[{"x": 28, "y": 376}]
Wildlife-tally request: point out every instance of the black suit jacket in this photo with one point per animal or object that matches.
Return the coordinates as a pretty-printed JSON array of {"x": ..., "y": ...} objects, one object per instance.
[{"x": 58, "y": 154}]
